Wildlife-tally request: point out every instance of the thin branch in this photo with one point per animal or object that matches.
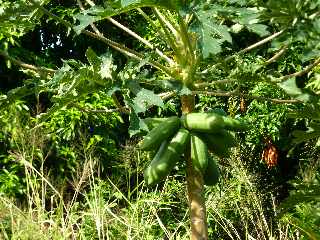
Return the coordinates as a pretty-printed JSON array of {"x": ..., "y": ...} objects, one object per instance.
[
  {"x": 133, "y": 34},
  {"x": 263, "y": 41},
  {"x": 127, "y": 51},
  {"x": 90, "y": 2},
  {"x": 255, "y": 45},
  {"x": 277, "y": 80},
  {"x": 119, "y": 47},
  {"x": 209, "y": 84},
  {"x": 277, "y": 55},
  {"x": 274, "y": 100},
  {"x": 144, "y": 41},
  {"x": 300, "y": 73},
  {"x": 167, "y": 95},
  {"x": 26, "y": 65},
  {"x": 130, "y": 32},
  {"x": 232, "y": 94},
  {"x": 114, "y": 97}
]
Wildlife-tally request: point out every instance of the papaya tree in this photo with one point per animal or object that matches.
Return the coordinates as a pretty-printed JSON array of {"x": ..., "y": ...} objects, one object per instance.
[{"x": 193, "y": 48}]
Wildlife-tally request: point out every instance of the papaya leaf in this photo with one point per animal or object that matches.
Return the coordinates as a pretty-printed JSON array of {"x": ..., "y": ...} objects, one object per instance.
[
  {"x": 136, "y": 124},
  {"x": 107, "y": 68},
  {"x": 304, "y": 193},
  {"x": 291, "y": 88},
  {"x": 308, "y": 111},
  {"x": 144, "y": 99},
  {"x": 212, "y": 35},
  {"x": 101, "y": 64},
  {"x": 97, "y": 13},
  {"x": 259, "y": 29},
  {"x": 210, "y": 45},
  {"x": 93, "y": 59},
  {"x": 84, "y": 21},
  {"x": 302, "y": 136}
]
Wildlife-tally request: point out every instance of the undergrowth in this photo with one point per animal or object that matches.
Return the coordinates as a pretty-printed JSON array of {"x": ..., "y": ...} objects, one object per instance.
[{"x": 119, "y": 206}]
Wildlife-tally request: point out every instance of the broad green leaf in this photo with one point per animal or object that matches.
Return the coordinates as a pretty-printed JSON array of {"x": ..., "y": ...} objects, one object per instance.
[
  {"x": 84, "y": 21},
  {"x": 210, "y": 46},
  {"x": 101, "y": 64},
  {"x": 218, "y": 31},
  {"x": 259, "y": 29},
  {"x": 136, "y": 124},
  {"x": 134, "y": 87},
  {"x": 212, "y": 34},
  {"x": 310, "y": 54},
  {"x": 247, "y": 16},
  {"x": 314, "y": 83},
  {"x": 144, "y": 99},
  {"x": 290, "y": 87}
]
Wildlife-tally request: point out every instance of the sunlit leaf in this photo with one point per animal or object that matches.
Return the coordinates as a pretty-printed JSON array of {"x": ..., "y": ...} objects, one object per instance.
[
  {"x": 146, "y": 98},
  {"x": 84, "y": 21},
  {"x": 259, "y": 29},
  {"x": 212, "y": 34}
]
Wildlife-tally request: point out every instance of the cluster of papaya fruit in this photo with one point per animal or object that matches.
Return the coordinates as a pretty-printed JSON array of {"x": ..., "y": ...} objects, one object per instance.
[{"x": 201, "y": 132}]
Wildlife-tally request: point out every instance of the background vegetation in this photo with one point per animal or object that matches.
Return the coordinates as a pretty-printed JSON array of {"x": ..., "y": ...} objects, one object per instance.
[{"x": 69, "y": 165}]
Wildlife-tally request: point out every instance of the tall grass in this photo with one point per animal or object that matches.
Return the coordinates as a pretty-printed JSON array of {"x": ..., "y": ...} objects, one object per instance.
[
  {"x": 121, "y": 207},
  {"x": 86, "y": 207},
  {"x": 237, "y": 210}
]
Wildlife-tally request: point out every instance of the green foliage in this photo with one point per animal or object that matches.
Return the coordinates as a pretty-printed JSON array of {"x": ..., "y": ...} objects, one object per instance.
[
  {"x": 14, "y": 119},
  {"x": 301, "y": 208},
  {"x": 52, "y": 124},
  {"x": 212, "y": 34},
  {"x": 61, "y": 135},
  {"x": 113, "y": 8},
  {"x": 266, "y": 118},
  {"x": 15, "y": 21}
]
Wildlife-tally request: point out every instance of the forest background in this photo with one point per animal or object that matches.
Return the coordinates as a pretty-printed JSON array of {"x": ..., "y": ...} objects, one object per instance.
[{"x": 77, "y": 78}]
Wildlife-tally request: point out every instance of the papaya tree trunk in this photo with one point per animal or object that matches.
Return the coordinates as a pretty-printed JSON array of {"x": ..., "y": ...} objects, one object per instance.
[{"x": 195, "y": 187}]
